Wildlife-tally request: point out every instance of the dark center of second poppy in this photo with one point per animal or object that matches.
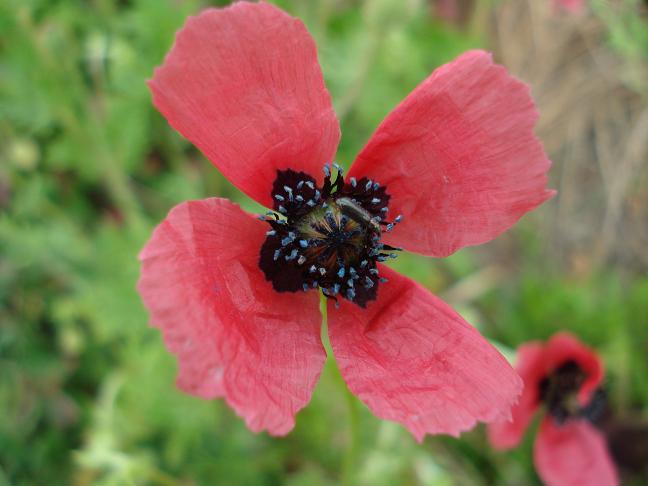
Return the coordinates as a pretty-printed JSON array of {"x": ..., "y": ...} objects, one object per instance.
[
  {"x": 559, "y": 392},
  {"x": 327, "y": 237}
]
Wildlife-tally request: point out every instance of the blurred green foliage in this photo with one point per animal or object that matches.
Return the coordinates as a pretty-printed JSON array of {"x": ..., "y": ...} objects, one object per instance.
[{"x": 89, "y": 167}]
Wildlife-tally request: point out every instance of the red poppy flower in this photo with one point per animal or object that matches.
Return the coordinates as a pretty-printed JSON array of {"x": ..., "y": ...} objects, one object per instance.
[
  {"x": 234, "y": 296},
  {"x": 571, "y": 6},
  {"x": 564, "y": 375},
  {"x": 453, "y": 11}
]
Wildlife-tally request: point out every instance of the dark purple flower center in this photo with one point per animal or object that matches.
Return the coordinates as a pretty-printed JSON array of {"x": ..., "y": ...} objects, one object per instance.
[
  {"x": 559, "y": 392},
  {"x": 327, "y": 237}
]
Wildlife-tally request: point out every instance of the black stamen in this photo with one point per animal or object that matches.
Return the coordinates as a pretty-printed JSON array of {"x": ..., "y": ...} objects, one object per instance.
[
  {"x": 559, "y": 392},
  {"x": 329, "y": 236}
]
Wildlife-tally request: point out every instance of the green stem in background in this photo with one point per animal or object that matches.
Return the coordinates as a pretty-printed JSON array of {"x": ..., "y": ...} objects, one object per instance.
[
  {"x": 363, "y": 69},
  {"x": 350, "y": 461}
]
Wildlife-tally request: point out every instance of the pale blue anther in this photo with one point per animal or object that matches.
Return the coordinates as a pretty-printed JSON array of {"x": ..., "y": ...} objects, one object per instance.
[
  {"x": 282, "y": 209},
  {"x": 312, "y": 269},
  {"x": 317, "y": 195},
  {"x": 305, "y": 287},
  {"x": 390, "y": 227},
  {"x": 363, "y": 263},
  {"x": 301, "y": 260},
  {"x": 373, "y": 271},
  {"x": 303, "y": 243},
  {"x": 353, "y": 181},
  {"x": 375, "y": 186},
  {"x": 322, "y": 271},
  {"x": 315, "y": 284},
  {"x": 384, "y": 210},
  {"x": 398, "y": 218},
  {"x": 292, "y": 256},
  {"x": 327, "y": 170},
  {"x": 276, "y": 255},
  {"x": 350, "y": 282},
  {"x": 299, "y": 198},
  {"x": 368, "y": 283},
  {"x": 375, "y": 200},
  {"x": 288, "y": 189},
  {"x": 383, "y": 280},
  {"x": 350, "y": 294},
  {"x": 310, "y": 184},
  {"x": 300, "y": 184},
  {"x": 341, "y": 272},
  {"x": 310, "y": 203},
  {"x": 338, "y": 168},
  {"x": 271, "y": 233},
  {"x": 336, "y": 288},
  {"x": 368, "y": 185},
  {"x": 286, "y": 241},
  {"x": 393, "y": 255},
  {"x": 352, "y": 271},
  {"x": 279, "y": 197}
]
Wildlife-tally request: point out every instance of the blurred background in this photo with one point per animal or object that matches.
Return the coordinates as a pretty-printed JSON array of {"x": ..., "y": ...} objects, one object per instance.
[{"x": 88, "y": 168}]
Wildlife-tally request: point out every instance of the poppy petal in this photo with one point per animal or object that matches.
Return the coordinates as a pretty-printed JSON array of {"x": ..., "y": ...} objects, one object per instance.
[
  {"x": 244, "y": 85},
  {"x": 233, "y": 335},
  {"x": 573, "y": 454},
  {"x": 412, "y": 359},
  {"x": 458, "y": 157},
  {"x": 570, "y": 6},
  {"x": 504, "y": 435}
]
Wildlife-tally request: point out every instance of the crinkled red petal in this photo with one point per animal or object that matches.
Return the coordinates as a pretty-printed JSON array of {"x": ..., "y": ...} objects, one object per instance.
[
  {"x": 412, "y": 359},
  {"x": 233, "y": 335},
  {"x": 459, "y": 157},
  {"x": 244, "y": 85},
  {"x": 573, "y": 454}
]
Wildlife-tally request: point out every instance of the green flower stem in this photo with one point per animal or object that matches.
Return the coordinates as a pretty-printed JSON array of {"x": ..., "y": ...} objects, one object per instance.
[
  {"x": 350, "y": 460},
  {"x": 350, "y": 465}
]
